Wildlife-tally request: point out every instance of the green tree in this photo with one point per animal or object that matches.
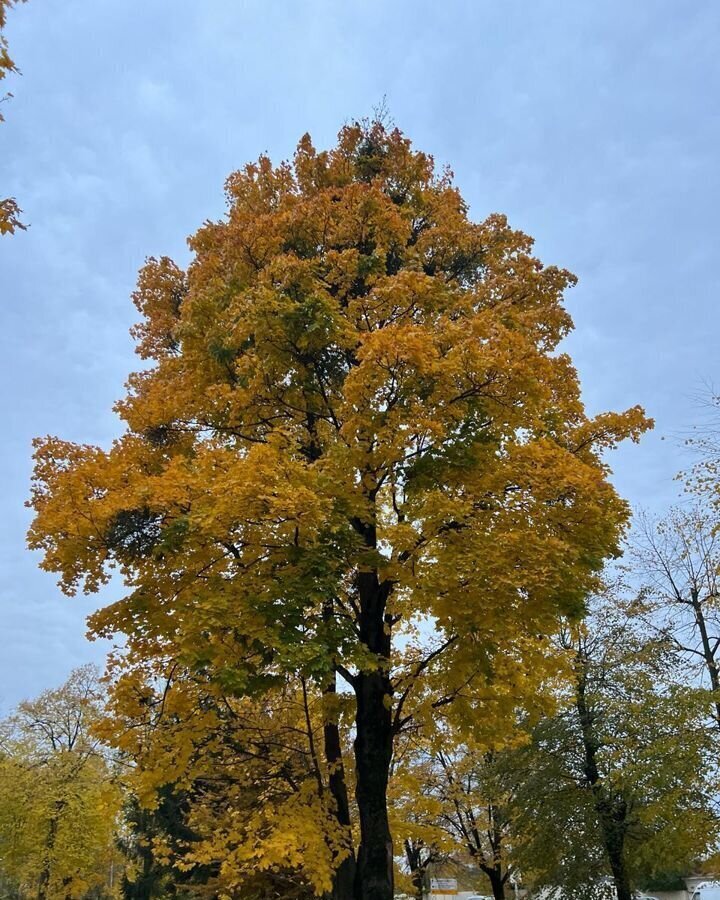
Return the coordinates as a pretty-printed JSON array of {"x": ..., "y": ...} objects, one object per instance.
[{"x": 621, "y": 781}]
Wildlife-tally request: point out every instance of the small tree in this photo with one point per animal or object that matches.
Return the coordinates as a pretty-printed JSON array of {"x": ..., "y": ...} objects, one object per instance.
[
  {"x": 454, "y": 789},
  {"x": 227, "y": 795}
]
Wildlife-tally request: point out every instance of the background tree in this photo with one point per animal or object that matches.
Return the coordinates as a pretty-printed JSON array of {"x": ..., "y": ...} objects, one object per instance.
[
  {"x": 622, "y": 781},
  {"x": 153, "y": 838},
  {"x": 59, "y": 802},
  {"x": 414, "y": 813},
  {"x": 678, "y": 558},
  {"x": 357, "y": 420},
  {"x": 9, "y": 210},
  {"x": 477, "y": 803},
  {"x": 453, "y": 816},
  {"x": 145, "y": 876},
  {"x": 454, "y": 788}
]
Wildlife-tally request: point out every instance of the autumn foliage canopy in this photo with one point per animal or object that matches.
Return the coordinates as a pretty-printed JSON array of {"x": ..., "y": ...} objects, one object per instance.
[{"x": 356, "y": 451}]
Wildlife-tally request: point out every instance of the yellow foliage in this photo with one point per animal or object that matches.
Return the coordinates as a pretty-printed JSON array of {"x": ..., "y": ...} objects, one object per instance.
[
  {"x": 59, "y": 800},
  {"x": 357, "y": 426}
]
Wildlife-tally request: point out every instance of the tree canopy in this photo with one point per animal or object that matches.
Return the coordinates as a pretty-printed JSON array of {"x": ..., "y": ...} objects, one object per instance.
[{"x": 357, "y": 451}]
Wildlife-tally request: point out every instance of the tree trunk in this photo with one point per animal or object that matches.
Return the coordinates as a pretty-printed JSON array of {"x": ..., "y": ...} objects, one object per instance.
[
  {"x": 44, "y": 879},
  {"x": 497, "y": 883},
  {"x": 418, "y": 880},
  {"x": 418, "y": 867},
  {"x": 612, "y": 822},
  {"x": 373, "y": 740},
  {"x": 494, "y": 872},
  {"x": 344, "y": 880},
  {"x": 611, "y": 811},
  {"x": 710, "y": 661}
]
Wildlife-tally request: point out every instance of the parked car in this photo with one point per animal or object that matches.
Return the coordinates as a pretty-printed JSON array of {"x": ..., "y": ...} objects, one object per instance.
[{"x": 708, "y": 890}]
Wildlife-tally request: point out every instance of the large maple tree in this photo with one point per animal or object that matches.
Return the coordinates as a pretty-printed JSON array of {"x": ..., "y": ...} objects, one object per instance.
[{"x": 357, "y": 452}]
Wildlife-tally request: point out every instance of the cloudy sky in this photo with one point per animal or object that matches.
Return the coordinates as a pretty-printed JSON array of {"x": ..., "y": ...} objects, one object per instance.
[{"x": 593, "y": 126}]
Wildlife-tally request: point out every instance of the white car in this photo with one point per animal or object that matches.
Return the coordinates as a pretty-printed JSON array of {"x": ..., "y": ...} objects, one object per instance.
[{"x": 708, "y": 890}]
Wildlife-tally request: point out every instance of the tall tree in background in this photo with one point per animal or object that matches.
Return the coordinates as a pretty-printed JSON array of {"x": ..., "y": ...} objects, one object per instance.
[
  {"x": 477, "y": 814},
  {"x": 356, "y": 420},
  {"x": 454, "y": 789},
  {"x": 9, "y": 210}
]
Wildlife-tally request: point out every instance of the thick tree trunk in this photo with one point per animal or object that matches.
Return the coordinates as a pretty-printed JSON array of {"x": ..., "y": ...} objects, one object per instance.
[
  {"x": 373, "y": 741},
  {"x": 373, "y": 748},
  {"x": 612, "y": 821},
  {"x": 497, "y": 883}
]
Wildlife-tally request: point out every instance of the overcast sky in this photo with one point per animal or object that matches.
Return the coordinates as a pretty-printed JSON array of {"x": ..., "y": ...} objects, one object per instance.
[{"x": 593, "y": 126}]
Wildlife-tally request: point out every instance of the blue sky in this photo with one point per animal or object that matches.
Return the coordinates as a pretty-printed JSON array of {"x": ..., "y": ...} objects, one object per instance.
[{"x": 593, "y": 126}]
